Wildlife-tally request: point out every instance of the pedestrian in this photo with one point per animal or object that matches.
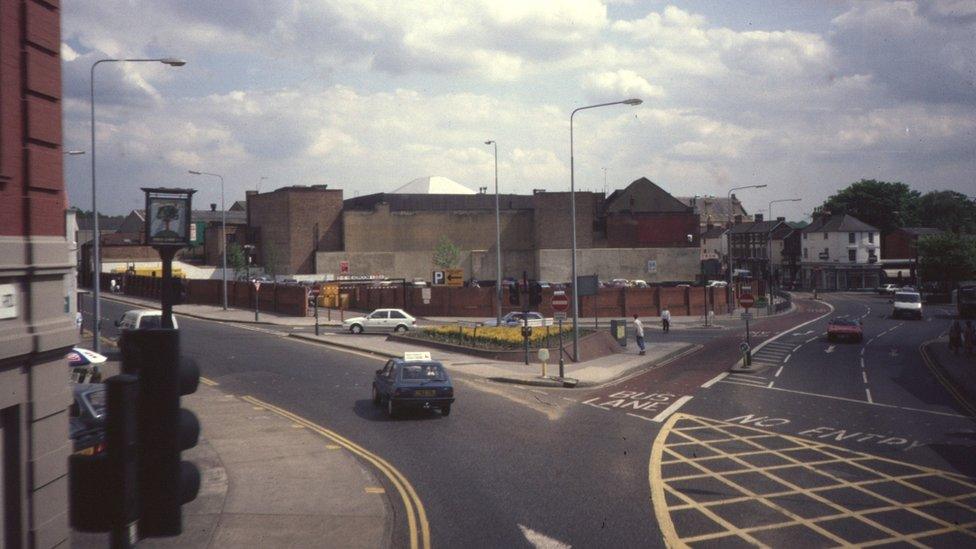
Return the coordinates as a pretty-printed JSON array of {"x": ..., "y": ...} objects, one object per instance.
[
  {"x": 955, "y": 337},
  {"x": 666, "y": 319},
  {"x": 969, "y": 336},
  {"x": 112, "y": 286},
  {"x": 639, "y": 334}
]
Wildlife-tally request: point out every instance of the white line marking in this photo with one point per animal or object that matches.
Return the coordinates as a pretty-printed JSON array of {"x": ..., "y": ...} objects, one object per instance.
[
  {"x": 778, "y": 372},
  {"x": 787, "y": 359},
  {"x": 737, "y": 374},
  {"x": 538, "y": 391},
  {"x": 714, "y": 380},
  {"x": 864, "y": 376},
  {"x": 814, "y": 338},
  {"x": 862, "y": 348},
  {"x": 597, "y": 407},
  {"x": 770, "y": 386},
  {"x": 645, "y": 418},
  {"x": 797, "y": 348},
  {"x": 862, "y": 362},
  {"x": 830, "y": 349},
  {"x": 671, "y": 409},
  {"x": 540, "y": 540},
  {"x": 569, "y": 399},
  {"x": 868, "y": 392}
]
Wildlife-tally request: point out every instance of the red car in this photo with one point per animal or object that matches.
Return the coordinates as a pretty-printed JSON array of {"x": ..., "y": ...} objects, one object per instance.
[{"x": 844, "y": 328}]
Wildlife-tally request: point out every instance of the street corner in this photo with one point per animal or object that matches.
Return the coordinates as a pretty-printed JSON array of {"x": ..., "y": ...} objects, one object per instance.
[{"x": 715, "y": 482}]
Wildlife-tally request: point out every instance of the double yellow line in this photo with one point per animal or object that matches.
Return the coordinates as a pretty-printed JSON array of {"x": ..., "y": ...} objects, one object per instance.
[
  {"x": 416, "y": 515},
  {"x": 940, "y": 375}
]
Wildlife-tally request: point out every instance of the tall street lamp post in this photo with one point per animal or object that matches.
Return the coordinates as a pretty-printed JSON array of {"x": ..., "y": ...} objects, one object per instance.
[
  {"x": 96, "y": 259},
  {"x": 223, "y": 229},
  {"x": 728, "y": 237},
  {"x": 769, "y": 241},
  {"x": 572, "y": 213},
  {"x": 498, "y": 244}
]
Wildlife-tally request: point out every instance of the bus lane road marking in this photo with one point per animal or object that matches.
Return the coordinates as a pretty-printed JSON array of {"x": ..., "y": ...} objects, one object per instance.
[{"x": 658, "y": 405}]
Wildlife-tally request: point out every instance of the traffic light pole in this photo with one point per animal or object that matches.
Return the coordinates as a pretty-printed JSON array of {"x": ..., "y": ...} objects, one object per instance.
[{"x": 166, "y": 254}]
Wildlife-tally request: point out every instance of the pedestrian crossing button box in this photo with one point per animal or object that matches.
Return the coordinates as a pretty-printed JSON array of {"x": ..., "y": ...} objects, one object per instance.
[{"x": 618, "y": 329}]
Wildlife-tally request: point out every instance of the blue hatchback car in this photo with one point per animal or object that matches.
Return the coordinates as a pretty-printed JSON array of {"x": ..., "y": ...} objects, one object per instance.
[{"x": 414, "y": 381}]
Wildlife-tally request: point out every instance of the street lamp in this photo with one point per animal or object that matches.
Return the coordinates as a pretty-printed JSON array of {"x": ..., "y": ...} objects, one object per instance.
[
  {"x": 728, "y": 238},
  {"x": 96, "y": 261},
  {"x": 572, "y": 213},
  {"x": 498, "y": 244},
  {"x": 223, "y": 228},
  {"x": 769, "y": 241}
]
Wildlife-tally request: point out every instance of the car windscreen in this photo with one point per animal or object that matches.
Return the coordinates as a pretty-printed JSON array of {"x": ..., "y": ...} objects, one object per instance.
[
  {"x": 843, "y": 322},
  {"x": 423, "y": 372},
  {"x": 98, "y": 401},
  {"x": 150, "y": 322},
  {"x": 908, "y": 298}
]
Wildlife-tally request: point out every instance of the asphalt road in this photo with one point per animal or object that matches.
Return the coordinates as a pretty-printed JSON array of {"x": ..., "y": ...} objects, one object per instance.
[{"x": 578, "y": 467}]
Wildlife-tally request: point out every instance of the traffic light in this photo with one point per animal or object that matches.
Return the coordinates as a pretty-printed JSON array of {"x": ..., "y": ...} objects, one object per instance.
[
  {"x": 513, "y": 294},
  {"x": 165, "y": 481},
  {"x": 535, "y": 294}
]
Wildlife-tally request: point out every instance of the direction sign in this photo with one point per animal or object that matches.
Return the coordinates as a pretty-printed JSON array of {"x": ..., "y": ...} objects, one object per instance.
[
  {"x": 746, "y": 300},
  {"x": 560, "y": 302},
  {"x": 455, "y": 277},
  {"x": 559, "y": 315},
  {"x": 746, "y": 316}
]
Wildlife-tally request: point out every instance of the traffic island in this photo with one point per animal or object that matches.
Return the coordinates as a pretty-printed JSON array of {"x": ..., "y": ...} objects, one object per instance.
[{"x": 594, "y": 344}]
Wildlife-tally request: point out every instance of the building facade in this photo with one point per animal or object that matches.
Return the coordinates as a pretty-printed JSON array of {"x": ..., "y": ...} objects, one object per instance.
[
  {"x": 840, "y": 252},
  {"x": 35, "y": 331},
  {"x": 750, "y": 245}
]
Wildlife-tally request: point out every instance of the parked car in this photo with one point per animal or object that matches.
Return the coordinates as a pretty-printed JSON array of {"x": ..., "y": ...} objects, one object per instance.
[
  {"x": 717, "y": 284},
  {"x": 620, "y": 283},
  {"x": 86, "y": 418},
  {"x": 639, "y": 283},
  {"x": 844, "y": 328},
  {"x": 142, "y": 319},
  {"x": 907, "y": 304},
  {"x": 516, "y": 318},
  {"x": 888, "y": 289},
  {"x": 414, "y": 381},
  {"x": 381, "y": 320}
]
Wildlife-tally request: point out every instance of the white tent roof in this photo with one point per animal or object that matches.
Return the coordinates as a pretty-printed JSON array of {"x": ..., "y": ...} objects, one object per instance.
[{"x": 433, "y": 184}]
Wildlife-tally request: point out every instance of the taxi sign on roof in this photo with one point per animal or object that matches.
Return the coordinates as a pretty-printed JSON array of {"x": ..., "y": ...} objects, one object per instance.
[{"x": 414, "y": 356}]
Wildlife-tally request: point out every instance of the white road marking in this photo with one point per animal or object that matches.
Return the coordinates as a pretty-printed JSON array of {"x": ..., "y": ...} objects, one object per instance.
[
  {"x": 538, "y": 391},
  {"x": 714, "y": 380},
  {"x": 749, "y": 375},
  {"x": 814, "y": 338},
  {"x": 645, "y": 418},
  {"x": 797, "y": 348},
  {"x": 597, "y": 407},
  {"x": 864, "y": 376},
  {"x": 541, "y": 541},
  {"x": 770, "y": 386},
  {"x": 787, "y": 359},
  {"x": 862, "y": 362},
  {"x": 868, "y": 392},
  {"x": 830, "y": 349},
  {"x": 862, "y": 349},
  {"x": 671, "y": 409},
  {"x": 778, "y": 372}
]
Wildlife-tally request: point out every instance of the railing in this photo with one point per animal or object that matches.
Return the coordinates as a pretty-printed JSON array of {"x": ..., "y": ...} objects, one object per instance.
[{"x": 784, "y": 302}]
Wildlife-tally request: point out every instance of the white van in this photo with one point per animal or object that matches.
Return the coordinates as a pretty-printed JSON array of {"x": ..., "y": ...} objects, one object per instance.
[{"x": 143, "y": 319}]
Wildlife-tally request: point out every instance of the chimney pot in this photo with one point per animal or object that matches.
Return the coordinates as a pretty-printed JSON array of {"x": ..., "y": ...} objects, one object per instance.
[
  {"x": 758, "y": 218},
  {"x": 213, "y": 207},
  {"x": 781, "y": 219}
]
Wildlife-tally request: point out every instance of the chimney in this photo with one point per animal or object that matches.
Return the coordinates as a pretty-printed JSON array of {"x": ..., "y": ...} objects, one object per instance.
[
  {"x": 249, "y": 193},
  {"x": 781, "y": 219},
  {"x": 213, "y": 207},
  {"x": 758, "y": 218},
  {"x": 738, "y": 219}
]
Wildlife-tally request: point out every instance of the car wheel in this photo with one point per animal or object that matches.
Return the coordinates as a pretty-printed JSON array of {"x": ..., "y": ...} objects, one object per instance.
[
  {"x": 391, "y": 409},
  {"x": 356, "y": 329},
  {"x": 400, "y": 328},
  {"x": 376, "y": 397},
  {"x": 445, "y": 410}
]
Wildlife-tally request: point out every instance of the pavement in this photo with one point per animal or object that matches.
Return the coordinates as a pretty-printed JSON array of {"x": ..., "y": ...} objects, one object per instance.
[
  {"x": 957, "y": 371},
  {"x": 269, "y": 481}
]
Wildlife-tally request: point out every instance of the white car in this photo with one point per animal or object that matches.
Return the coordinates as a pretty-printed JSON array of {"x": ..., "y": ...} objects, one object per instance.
[
  {"x": 907, "y": 304},
  {"x": 381, "y": 320},
  {"x": 143, "y": 319},
  {"x": 888, "y": 289},
  {"x": 717, "y": 284}
]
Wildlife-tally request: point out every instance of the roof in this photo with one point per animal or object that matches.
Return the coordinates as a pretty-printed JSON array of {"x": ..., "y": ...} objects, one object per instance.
[
  {"x": 234, "y": 217},
  {"x": 438, "y": 202},
  {"x": 719, "y": 208},
  {"x": 238, "y": 206},
  {"x": 761, "y": 227},
  {"x": 714, "y": 232},
  {"x": 105, "y": 223},
  {"x": 641, "y": 196},
  {"x": 921, "y": 231},
  {"x": 433, "y": 184},
  {"x": 838, "y": 223}
]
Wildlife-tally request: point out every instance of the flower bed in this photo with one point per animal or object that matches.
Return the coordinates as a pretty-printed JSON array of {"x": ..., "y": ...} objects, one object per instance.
[{"x": 493, "y": 338}]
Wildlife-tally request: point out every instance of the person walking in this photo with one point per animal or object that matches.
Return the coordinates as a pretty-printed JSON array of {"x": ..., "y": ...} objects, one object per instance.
[
  {"x": 955, "y": 337},
  {"x": 666, "y": 319},
  {"x": 639, "y": 334},
  {"x": 969, "y": 336}
]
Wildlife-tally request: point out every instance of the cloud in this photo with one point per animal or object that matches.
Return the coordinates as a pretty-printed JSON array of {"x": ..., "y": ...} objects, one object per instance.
[{"x": 623, "y": 83}]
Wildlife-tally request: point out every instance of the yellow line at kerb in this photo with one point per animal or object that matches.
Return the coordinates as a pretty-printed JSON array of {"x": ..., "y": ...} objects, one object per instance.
[
  {"x": 208, "y": 381},
  {"x": 658, "y": 500},
  {"x": 407, "y": 493}
]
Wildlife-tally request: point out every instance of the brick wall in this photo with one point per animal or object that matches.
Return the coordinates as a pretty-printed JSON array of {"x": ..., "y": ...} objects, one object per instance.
[
  {"x": 284, "y": 220},
  {"x": 277, "y": 298},
  {"x": 652, "y": 230},
  {"x": 552, "y": 220}
]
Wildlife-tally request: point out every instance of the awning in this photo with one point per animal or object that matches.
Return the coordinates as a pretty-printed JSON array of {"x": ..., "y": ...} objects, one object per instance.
[{"x": 895, "y": 273}]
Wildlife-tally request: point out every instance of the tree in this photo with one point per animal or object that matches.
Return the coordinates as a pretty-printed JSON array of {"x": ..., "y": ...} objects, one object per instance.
[
  {"x": 947, "y": 258},
  {"x": 236, "y": 258},
  {"x": 947, "y": 210},
  {"x": 884, "y": 205},
  {"x": 446, "y": 254}
]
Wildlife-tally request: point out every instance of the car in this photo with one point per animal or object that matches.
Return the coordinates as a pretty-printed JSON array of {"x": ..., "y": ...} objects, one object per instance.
[
  {"x": 142, "y": 319},
  {"x": 639, "y": 283},
  {"x": 381, "y": 320},
  {"x": 86, "y": 418},
  {"x": 517, "y": 318},
  {"x": 888, "y": 289},
  {"x": 844, "y": 328},
  {"x": 906, "y": 304},
  {"x": 620, "y": 283},
  {"x": 414, "y": 381},
  {"x": 717, "y": 284}
]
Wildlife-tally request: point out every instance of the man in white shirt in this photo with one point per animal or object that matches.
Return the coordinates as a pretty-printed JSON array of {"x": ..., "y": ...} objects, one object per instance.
[
  {"x": 639, "y": 333},
  {"x": 666, "y": 319}
]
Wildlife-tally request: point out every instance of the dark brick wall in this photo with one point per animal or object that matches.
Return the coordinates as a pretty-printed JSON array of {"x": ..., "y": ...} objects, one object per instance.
[
  {"x": 285, "y": 220},
  {"x": 900, "y": 245},
  {"x": 553, "y": 224},
  {"x": 652, "y": 230},
  {"x": 277, "y": 298}
]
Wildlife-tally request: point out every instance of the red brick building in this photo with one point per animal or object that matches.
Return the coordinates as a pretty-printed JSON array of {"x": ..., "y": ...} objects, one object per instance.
[
  {"x": 644, "y": 215},
  {"x": 903, "y": 243},
  {"x": 35, "y": 330}
]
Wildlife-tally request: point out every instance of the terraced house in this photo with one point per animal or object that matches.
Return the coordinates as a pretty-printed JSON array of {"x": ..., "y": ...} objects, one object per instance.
[{"x": 840, "y": 252}]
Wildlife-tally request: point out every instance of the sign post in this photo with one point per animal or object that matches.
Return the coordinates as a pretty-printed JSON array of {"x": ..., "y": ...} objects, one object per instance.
[
  {"x": 747, "y": 301},
  {"x": 257, "y": 288},
  {"x": 167, "y": 230},
  {"x": 315, "y": 291},
  {"x": 559, "y": 305}
]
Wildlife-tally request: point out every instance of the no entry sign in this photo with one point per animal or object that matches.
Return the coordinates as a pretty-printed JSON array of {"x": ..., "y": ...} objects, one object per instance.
[
  {"x": 560, "y": 302},
  {"x": 746, "y": 300}
]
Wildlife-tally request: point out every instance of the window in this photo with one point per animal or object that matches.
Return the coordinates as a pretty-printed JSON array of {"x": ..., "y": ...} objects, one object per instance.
[
  {"x": 852, "y": 255},
  {"x": 871, "y": 237},
  {"x": 804, "y": 236},
  {"x": 379, "y": 315},
  {"x": 804, "y": 253},
  {"x": 396, "y": 314},
  {"x": 850, "y": 238},
  {"x": 825, "y": 236}
]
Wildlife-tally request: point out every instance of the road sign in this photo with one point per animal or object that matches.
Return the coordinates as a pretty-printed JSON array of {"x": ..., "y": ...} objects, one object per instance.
[
  {"x": 559, "y": 315},
  {"x": 438, "y": 278},
  {"x": 560, "y": 302},
  {"x": 746, "y": 300},
  {"x": 425, "y": 295},
  {"x": 257, "y": 285},
  {"x": 747, "y": 316},
  {"x": 743, "y": 347},
  {"x": 344, "y": 267},
  {"x": 455, "y": 277},
  {"x": 315, "y": 290}
]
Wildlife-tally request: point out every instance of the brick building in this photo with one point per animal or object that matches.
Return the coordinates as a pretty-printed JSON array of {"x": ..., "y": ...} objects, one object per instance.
[
  {"x": 903, "y": 243},
  {"x": 35, "y": 331}
]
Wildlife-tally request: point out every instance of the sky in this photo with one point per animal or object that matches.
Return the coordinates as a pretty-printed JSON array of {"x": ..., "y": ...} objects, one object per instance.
[{"x": 366, "y": 95}]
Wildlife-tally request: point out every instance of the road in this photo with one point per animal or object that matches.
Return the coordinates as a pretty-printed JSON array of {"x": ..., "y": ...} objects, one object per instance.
[{"x": 518, "y": 466}]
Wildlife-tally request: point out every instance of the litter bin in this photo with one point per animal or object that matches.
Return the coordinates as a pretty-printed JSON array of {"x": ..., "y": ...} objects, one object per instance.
[{"x": 618, "y": 329}]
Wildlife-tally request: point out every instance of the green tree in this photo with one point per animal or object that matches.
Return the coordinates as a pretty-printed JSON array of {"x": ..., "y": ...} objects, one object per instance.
[
  {"x": 884, "y": 205},
  {"x": 947, "y": 210},
  {"x": 236, "y": 258},
  {"x": 946, "y": 258},
  {"x": 446, "y": 255}
]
